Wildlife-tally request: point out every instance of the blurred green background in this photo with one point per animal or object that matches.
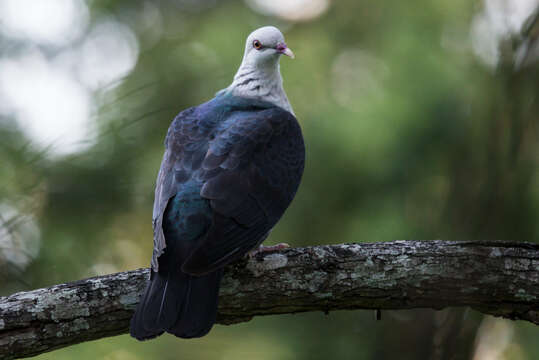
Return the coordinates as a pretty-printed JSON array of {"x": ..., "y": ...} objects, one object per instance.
[{"x": 421, "y": 121}]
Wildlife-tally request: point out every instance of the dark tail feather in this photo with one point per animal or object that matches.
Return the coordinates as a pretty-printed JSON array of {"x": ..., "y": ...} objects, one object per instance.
[
  {"x": 200, "y": 307},
  {"x": 145, "y": 321},
  {"x": 178, "y": 303}
]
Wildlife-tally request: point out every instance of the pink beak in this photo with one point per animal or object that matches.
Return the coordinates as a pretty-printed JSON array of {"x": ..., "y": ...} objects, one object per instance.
[{"x": 283, "y": 49}]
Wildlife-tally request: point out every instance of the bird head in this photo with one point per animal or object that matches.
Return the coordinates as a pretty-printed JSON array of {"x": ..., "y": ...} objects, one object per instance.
[{"x": 265, "y": 46}]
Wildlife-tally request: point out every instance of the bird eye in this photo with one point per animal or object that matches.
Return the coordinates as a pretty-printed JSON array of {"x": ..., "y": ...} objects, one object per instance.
[{"x": 257, "y": 44}]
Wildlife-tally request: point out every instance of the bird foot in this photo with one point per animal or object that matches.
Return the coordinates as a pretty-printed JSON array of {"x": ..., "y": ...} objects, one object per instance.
[{"x": 263, "y": 249}]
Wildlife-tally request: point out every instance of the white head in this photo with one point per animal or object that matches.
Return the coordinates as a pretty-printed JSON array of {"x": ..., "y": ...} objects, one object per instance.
[
  {"x": 264, "y": 47},
  {"x": 258, "y": 76}
]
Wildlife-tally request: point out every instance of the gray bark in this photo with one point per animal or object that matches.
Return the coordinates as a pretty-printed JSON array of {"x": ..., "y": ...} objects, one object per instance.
[{"x": 500, "y": 279}]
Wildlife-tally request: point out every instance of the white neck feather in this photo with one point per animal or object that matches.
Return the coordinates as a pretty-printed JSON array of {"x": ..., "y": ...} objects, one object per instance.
[{"x": 264, "y": 84}]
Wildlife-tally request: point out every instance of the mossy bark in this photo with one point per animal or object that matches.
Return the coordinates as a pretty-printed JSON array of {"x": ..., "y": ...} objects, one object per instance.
[{"x": 500, "y": 279}]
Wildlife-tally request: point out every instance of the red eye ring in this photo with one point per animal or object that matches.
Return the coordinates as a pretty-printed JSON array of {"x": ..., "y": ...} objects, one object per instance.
[{"x": 257, "y": 44}]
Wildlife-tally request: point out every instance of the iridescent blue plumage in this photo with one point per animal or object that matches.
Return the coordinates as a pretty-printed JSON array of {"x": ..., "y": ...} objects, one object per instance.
[{"x": 231, "y": 168}]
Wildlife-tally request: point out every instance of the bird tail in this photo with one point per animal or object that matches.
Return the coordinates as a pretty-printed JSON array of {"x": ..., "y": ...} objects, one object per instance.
[{"x": 178, "y": 303}]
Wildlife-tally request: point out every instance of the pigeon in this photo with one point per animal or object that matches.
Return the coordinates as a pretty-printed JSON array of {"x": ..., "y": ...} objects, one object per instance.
[{"x": 231, "y": 168}]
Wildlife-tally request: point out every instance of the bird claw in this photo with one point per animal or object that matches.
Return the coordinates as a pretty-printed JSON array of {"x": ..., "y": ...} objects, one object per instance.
[{"x": 263, "y": 249}]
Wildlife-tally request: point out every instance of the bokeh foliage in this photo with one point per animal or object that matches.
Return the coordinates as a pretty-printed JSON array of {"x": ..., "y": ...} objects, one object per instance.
[{"x": 409, "y": 135}]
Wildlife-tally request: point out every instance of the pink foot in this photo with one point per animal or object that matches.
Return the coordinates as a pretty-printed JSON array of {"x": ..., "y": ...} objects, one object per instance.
[{"x": 263, "y": 249}]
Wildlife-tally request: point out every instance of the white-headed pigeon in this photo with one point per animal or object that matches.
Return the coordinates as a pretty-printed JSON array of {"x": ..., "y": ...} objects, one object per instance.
[{"x": 231, "y": 168}]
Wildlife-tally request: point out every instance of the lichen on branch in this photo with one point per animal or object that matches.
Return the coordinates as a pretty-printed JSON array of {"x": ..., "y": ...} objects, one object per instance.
[{"x": 500, "y": 279}]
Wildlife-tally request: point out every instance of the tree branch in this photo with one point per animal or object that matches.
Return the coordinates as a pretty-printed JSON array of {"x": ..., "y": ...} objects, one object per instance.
[{"x": 495, "y": 278}]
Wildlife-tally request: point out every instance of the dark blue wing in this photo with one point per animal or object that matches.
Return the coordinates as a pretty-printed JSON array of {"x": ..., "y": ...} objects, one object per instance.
[
  {"x": 250, "y": 174},
  {"x": 186, "y": 145},
  {"x": 248, "y": 165}
]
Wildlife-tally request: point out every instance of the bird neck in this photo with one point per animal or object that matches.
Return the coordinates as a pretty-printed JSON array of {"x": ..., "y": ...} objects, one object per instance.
[{"x": 264, "y": 84}]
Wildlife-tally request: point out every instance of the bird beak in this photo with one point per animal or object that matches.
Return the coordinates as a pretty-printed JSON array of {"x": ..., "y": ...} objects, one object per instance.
[
  {"x": 289, "y": 53},
  {"x": 285, "y": 50}
]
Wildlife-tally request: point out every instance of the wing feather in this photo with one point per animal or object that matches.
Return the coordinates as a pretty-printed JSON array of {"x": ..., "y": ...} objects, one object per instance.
[
  {"x": 248, "y": 166},
  {"x": 262, "y": 158}
]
